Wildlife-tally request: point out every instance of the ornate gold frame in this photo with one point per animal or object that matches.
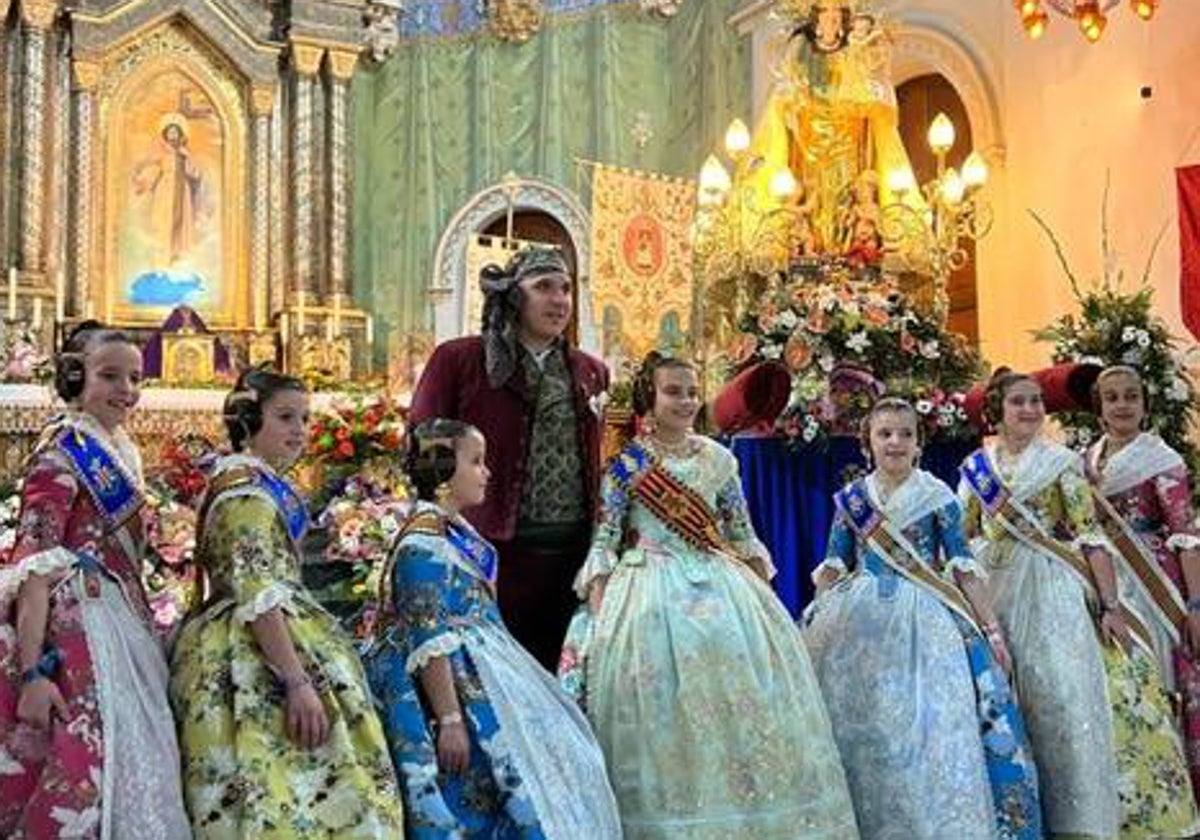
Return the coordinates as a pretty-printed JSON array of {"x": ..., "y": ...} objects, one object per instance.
[{"x": 171, "y": 44}]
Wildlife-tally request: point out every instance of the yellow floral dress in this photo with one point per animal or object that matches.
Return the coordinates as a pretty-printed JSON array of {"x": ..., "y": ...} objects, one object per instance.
[{"x": 243, "y": 775}]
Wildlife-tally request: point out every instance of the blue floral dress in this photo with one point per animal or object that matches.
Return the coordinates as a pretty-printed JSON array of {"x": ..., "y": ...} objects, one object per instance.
[
  {"x": 535, "y": 768},
  {"x": 932, "y": 740}
]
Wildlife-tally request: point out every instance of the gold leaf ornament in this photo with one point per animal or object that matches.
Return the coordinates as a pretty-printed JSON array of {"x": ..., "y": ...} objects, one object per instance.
[{"x": 515, "y": 21}]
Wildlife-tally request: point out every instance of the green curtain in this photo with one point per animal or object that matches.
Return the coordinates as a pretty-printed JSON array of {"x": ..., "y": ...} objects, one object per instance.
[{"x": 441, "y": 120}]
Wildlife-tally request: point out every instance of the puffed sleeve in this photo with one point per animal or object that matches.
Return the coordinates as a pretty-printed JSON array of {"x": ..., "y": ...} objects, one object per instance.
[
  {"x": 735, "y": 519},
  {"x": 1174, "y": 494},
  {"x": 248, "y": 555},
  {"x": 839, "y": 551},
  {"x": 1080, "y": 511},
  {"x": 953, "y": 536},
  {"x": 47, "y": 498},
  {"x": 608, "y": 534},
  {"x": 420, "y": 591}
]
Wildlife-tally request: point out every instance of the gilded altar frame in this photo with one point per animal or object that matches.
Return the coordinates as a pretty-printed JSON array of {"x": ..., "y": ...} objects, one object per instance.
[{"x": 125, "y": 69}]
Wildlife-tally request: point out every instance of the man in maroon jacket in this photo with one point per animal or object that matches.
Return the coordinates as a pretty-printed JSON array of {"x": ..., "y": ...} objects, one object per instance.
[{"x": 537, "y": 402}]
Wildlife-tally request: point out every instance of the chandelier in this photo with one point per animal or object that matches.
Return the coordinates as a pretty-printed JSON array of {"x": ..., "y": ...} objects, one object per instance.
[{"x": 1091, "y": 16}]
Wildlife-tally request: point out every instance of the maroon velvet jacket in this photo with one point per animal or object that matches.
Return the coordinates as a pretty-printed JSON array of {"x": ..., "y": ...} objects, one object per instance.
[{"x": 455, "y": 385}]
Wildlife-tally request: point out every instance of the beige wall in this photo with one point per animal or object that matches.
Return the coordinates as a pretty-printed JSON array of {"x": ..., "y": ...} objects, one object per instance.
[{"x": 1052, "y": 116}]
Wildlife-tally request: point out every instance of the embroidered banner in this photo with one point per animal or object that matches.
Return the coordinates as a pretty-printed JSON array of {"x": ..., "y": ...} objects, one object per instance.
[{"x": 641, "y": 261}]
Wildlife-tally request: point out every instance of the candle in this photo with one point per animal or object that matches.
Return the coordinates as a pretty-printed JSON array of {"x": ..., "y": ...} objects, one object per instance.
[
  {"x": 370, "y": 331},
  {"x": 329, "y": 329},
  {"x": 300, "y": 315},
  {"x": 283, "y": 336},
  {"x": 60, "y": 298},
  {"x": 337, "y": 313},
  {"x": 89, "y": 310},
  {"x": 37, "y": 313},
  {"x": 12, "y": 293}
]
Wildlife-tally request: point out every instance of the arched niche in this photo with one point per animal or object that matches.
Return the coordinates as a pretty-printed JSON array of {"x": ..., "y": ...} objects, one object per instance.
[
  {"x": 171, "y": 73},
  {"x": 451, "y": 285}
]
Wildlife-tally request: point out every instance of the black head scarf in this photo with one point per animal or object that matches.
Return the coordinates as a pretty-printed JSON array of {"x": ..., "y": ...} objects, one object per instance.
[{"x": 502, "y": 306}]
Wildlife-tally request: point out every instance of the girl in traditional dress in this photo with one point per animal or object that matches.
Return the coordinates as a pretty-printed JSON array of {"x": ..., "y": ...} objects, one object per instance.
[
  {"x": 911, "y": 660},
  {"x": 87, "y": 741},
  {"x": 277, "y": 728},
  {"x": 1029, "y": 506},
  {"x": 697, "y": 681},
  {"x": 1143, "y": 498},
  {"x": 485, "y": 741}
]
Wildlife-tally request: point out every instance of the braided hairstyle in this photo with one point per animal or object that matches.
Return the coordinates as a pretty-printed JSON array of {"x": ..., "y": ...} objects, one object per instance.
[
  {"x": 643, "y": 380},
  {"x": 997, "y": 389},
  {"x": 243, "y": 412},
  {"x": 432, "y": 458},
  {"x": 70, "y": 370}
]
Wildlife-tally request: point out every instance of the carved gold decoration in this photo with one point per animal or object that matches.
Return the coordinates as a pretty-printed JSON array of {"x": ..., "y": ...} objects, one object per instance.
[
  {"x": 32, "y": 175},
  {"x": 82, "y": 221},
  {"x": 515, "y": 21},
  {"x": 262, "y": 100},
  {"x": 39, "y": 14},
  {"x": 262, "y": 349},
  {"x": 276, "y": 250},
  {"x": 87, "y": 73},
  {"x": 258, "y": 221},
  {"x": 307, "y": 57},
  {"x": 342, "y": 64},
  {"x": 172, "y": 47},
  {"x": 188, "y": 358}
]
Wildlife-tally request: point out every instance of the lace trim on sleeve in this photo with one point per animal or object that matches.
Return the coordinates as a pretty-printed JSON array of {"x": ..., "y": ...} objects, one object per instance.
[
  {"x": 1092, "y": 539},
  {"x": 275, "y": 595},
  {"x": 600, "y": 563},
  {"x": 1183, "y": 542},
  {"x": 965, "y": 564},
  {"x": 443, "y": 644},
  {"x": 49, "y": 562},
  {"x": 835, "y": 563}
]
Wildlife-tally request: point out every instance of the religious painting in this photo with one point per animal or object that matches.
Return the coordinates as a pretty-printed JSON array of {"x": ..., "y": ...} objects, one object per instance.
[{"x": 170, "y": 193}]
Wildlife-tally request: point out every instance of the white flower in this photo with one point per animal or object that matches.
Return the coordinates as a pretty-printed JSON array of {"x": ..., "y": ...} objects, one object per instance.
[
  {"x": 930, "y": 349},
  {"x": 1132, "y": 356},
  {"x": 826, "y": 362},
  {"x": 1083, "y": 437},
  {"x": 772, "y": 351},
  {"x": 788, "y": 319},
  {"x": 945, "y": 420},
  {"x": 809, "y": 434},
  {"x": 923, "y": 406},
  {"x": 1178, "y": 390},
  {"x": 858, "y": 342},
  {"x": 1129, "y": 334}
]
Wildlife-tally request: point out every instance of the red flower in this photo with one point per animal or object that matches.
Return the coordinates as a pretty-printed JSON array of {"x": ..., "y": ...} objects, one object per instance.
[{"x": 345, "y": 449}]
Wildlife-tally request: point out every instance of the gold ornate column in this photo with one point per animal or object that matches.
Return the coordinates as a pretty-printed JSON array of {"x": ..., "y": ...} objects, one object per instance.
[
  {"x": 341, "y": 65},
  {"x": 87, "y": 78},
  {"x": 36, "y": 17},
  {"x": 306, "y": 60}
]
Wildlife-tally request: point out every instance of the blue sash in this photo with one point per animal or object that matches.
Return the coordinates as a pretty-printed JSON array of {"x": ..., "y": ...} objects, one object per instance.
[
  {"x": 291, "y": 506},
  {"x": 987, "y": 486},
  {"x": 113, "y": 490},
  {"x": 480, "y": 555},
  {"x": 855, "y": 502}
]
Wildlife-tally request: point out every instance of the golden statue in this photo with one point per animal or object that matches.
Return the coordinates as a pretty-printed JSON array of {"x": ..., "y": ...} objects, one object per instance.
[{"x": 832, "y": 117}]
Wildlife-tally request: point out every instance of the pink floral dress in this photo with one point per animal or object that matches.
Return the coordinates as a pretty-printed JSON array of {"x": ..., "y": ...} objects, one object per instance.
[{"x": 111, "y": 767}]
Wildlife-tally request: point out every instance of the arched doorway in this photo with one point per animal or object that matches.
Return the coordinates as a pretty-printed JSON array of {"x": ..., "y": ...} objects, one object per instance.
[{"x": 920, "y": 100}]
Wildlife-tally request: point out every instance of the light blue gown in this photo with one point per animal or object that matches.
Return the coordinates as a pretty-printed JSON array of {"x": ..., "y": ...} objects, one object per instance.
[
  {"x": 697, "y": 682},
  {"x": 933, "y": 744}
]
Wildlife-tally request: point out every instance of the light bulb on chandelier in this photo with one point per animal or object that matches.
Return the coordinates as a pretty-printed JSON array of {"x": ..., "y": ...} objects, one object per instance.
[{"x": 1091, "y": 16}]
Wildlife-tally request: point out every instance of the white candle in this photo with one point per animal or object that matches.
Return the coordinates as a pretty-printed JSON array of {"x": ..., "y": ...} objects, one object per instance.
[
  {"x": 283, "y": 335},
  {"x": 329, "y": 329},
  {"x": 89, "y": 310},
  {"x": 370, "y": 331},
  {"x": 60, "y": 298},
  {"x": 12, "y": 293},
  {"x": 300, "y": 315},
  {"x": 37, "y": 313}
]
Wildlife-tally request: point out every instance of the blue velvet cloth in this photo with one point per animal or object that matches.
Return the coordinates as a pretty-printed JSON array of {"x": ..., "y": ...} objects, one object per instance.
[{"x": 790, "y": 493}]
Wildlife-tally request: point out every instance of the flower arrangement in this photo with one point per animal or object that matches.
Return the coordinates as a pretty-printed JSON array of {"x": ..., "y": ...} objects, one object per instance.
[
  {"x": 847, "y": 340},
  {"x": 171, "y": 576},
  {"x": 10, "y": 517},
  {"x": 1116, "y": 326},
  {"x": 361, "y": 435}
]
